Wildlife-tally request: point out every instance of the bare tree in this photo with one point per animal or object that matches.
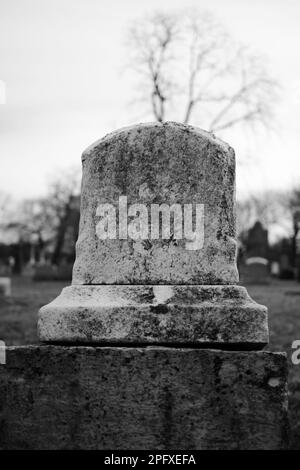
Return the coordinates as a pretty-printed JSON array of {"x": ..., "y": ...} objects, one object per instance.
[
  {"x": 191, "y": 70},
  {"x": 271, "y": 208},
  {"x": 59, "y": 201},
  {"x": 44, "y": 218}
]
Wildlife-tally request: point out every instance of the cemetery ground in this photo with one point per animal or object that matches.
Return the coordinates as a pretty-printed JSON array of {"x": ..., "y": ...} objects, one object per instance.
[{"x": 18, "y": 317}]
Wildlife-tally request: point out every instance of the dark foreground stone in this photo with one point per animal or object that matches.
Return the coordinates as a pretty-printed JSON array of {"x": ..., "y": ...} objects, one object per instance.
[{"x": 55, "y": 397}]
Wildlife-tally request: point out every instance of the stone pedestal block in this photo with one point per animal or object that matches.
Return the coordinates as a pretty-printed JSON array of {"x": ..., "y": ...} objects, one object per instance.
[
  {"x": 222, "y": 316},
  {"x": 55, "y": 397}
]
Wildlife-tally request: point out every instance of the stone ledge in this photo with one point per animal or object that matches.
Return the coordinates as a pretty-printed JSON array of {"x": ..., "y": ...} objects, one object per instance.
[
  {"x": 195, "y": 315},
  {"x": 55, "y": 397}
]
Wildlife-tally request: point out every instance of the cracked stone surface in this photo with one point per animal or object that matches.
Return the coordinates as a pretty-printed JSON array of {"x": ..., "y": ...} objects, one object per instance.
[{"x": 158, "y": 164}]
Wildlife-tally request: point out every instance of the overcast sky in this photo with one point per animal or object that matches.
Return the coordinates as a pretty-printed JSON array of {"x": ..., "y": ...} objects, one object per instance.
[{"x": 62, "y": 62}]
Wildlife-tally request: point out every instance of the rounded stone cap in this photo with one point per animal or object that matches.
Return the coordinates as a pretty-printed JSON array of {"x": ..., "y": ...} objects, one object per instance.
[{"x": 140, "y": 128}]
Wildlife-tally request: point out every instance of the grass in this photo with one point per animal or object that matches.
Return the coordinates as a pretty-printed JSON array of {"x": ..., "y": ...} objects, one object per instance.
[{"x": 19, "y": 315}]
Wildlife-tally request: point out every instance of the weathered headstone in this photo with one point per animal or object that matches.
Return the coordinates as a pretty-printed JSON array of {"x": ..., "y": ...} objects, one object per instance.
[
  {"x": 155, "y": 266},
  {"x": 153, "y": 165},
  {"x": 5, "y": 279},
  {"x": 5, "y": 286},
  {"x": 257, "y": 244},
  {"x": 255, "y": 271},
  {"x": 256, "y": 267},
  {"x": 5, "y": 270},
  {"x": 141, "y": 275}
]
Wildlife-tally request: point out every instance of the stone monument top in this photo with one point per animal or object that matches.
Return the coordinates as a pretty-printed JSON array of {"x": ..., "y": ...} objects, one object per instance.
[
  {"x": 157, "y": 208},
  {"x": 156, "y": 252}
]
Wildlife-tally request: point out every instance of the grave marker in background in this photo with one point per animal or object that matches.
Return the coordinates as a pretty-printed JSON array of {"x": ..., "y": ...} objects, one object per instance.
[
  {"x": 5, "y": 286},
  {"x": 256, "y": 267},
  {"x": 5, "y": 279}
]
